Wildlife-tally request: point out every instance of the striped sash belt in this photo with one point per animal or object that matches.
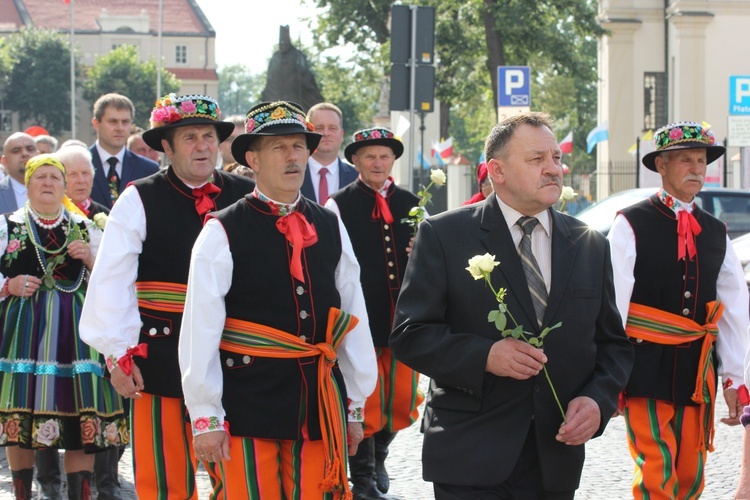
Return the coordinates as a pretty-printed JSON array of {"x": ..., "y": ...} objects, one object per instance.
[
  {"x": 161, "y": 296},
  {"x": 253, "y": 339},
  {"x": 661, "y": 327}
]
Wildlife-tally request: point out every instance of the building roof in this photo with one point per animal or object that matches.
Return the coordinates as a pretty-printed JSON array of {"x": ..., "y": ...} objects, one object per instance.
[
  {"x": 194, "y": 74},
  {"x": 182, "y": 17}
]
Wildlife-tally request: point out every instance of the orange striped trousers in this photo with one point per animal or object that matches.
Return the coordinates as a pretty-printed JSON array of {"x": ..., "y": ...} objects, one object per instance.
[
  {"x": 164, "y": 463},
  {"x": 664, "y": 441},
  {"x": 261, "y": 469},
  {"x": 394, "y": 402}
]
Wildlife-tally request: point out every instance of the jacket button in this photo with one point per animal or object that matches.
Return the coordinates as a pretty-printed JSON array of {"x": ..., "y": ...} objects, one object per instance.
[
  {"x": 391, "y": 276},
  {"x": 230, "y": 362},
  {"x": 166, "y": 330},
  {"x": 536, "y": 387},
  {"x": 388, "y": 250},
  {"x": 685, "y": 311},
  {"x": 152, "y": 331},
  {"x": 300, "y": 290},
  {"x": 303, "y": 314},
  {"x": 390, "y": 263},
  {"x": 387, "y": 238},
  {"x": 246, "y": 359},
  {"x": 385, "y": 226},
  {"x": 638, "y": 341},
  {"x": 688, "y": 295}
]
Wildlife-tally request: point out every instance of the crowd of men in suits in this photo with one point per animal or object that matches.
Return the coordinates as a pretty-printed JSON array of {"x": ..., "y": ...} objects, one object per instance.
[{"x": 191, "y": 331}]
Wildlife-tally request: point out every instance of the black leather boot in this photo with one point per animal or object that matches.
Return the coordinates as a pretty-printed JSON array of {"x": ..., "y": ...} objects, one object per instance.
[
  {"x": 362, "y": 472},
  {"x": 22, "y": 479},
  {"x": 79, "y": 485},
  {"x": 47, "y": 462},
  {"x": 383, "y": 439},
  {"x": 105, "y": 474}
]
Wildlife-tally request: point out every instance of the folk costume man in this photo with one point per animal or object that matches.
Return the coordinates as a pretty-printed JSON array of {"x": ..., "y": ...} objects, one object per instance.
[
  {"x": 683, "y": 299},
  {"x": 276, "y": 334},
  {"x": 492, "y": 427},
  {"x": 372, "y": 208},
  {"x": 134, "y": 307}
]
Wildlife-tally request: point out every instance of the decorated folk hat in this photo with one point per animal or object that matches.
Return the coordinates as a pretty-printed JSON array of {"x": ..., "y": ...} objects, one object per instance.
[
  {"x": 377, "y": 136},
  {"x": 270, "y": 119},
  {"x": 172, "y": 111},
  {"x": 684, "y": 135}
]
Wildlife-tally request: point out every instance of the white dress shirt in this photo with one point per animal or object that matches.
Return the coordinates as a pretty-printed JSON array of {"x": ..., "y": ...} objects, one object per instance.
[
  {"x": 332, "y": 177},
  {"x": 105, "y": 155},
  {"x": 541, "y": 240},
  {"x": 211, "y": 268},
  {"x": 20, "y": 192},
  {"x": 731, "y": 290}
]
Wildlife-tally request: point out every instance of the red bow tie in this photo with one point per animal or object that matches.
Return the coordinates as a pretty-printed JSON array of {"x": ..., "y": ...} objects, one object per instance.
[
  {"x": 687, "y": 229},
  {"x": 381, "y": 209},
  {"x": 126, "y": 362},
  {"x": 300, "y": 234},
  {"x": 203, "y": 201}
]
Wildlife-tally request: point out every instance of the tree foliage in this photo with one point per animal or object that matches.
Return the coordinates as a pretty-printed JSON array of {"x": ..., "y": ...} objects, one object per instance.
[
  {"x": 557, "y": 38},
  {"x": 239, "y": 89},
  {"x": 123, "y": 72},
  {"x": 37, "y": 81}
]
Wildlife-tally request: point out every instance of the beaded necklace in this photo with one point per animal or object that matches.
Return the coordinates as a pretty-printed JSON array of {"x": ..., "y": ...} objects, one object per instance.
[
  {"x": 43, "y": 222},
  {"x": 40, "y": 252}
]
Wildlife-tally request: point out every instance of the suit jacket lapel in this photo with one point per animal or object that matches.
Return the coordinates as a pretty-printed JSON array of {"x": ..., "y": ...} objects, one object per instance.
[
  {"x": 127, "y": 170},
  {"x": 100, "y": 177},
  {"x": 498, "y": 241},
  {"x": 564, "y": 252}
]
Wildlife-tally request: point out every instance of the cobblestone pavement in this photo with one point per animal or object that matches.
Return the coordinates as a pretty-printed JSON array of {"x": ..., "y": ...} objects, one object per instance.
[{"x": 606, "y": 474}]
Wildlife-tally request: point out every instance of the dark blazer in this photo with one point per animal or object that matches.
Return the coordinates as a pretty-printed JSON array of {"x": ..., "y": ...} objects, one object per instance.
[
  {"x": 347, "y": 175},
  {"x": 476, "y": 423},
  {"x": 7, "y": 196},
  {"x": 134, "y": 167}
]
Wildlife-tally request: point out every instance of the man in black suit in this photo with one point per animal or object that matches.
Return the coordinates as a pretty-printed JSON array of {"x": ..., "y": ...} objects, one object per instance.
[
  {"x": 492, "y": 425},
  {"x": 115, "y": 165},
  {"x": 327, "y": 120}
]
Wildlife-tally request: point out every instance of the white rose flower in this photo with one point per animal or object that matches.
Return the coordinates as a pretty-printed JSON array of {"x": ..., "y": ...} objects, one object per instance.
[
  {"x": 567, "y": 193},
  {"x": 100, "y": 220},
  {"x": 479, "y": 265},
  {"x": 48, "y": 432},
  {"x": 438, "y": 177},
  {"x": 110, "y": 433}
]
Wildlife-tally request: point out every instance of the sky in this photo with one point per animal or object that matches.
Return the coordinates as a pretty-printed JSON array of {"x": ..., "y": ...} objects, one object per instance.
[{"x": 248, "y": 31}]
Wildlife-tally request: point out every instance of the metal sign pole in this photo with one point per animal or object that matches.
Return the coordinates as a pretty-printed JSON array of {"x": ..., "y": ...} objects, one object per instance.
[{"x": 412, "y": 92}]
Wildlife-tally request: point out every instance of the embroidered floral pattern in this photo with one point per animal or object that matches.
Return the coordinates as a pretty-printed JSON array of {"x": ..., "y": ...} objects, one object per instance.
[
  {"x": 16, "y": 242},
  {"x": 11, "y": 425},
  {"x": 276, "y": 208},
  {"x": 275, "y": 113},
  {"x": 206, "y": 424},
  {"x": 374, "y": 133},
  {"x": 683, "y": 132},
  {"x": 356, "y": 414},
  {"x": 172, "y": 108},
  {"x": 46, "y": 433},
  {"x": 669, "y": 201}
]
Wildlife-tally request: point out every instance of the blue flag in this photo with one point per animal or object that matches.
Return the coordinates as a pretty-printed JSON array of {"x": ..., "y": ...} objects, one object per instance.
[
  {"x": 598, "y": 134},
  {"x": 421, "y": 161}
]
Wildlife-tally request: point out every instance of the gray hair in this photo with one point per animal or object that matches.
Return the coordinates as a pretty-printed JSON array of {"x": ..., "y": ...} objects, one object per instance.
[{"x": 72, "y": 152}]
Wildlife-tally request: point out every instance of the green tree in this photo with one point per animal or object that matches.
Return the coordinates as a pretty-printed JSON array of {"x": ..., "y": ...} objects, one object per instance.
[
  {"x": 37, "y": 83},
  {"x": 239, "y": 89},
  {"x": 123, "y": 72}
]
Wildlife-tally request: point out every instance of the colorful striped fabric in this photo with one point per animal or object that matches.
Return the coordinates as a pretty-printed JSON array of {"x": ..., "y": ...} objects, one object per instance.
[
  {"x": 253, "y": 339},
  {"x": 161, "y": 296},
  {"x": 661, "y": 327}
]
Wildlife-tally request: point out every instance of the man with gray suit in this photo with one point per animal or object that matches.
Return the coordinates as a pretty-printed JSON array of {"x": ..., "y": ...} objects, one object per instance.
[
  {"x": 115, "y": 165},
  {"x": 17, "y": 150},
  {"x": 326, "y": 173}
]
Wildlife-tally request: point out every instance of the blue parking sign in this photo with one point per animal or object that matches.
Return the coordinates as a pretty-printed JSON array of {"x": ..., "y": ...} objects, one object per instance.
[
  {"x": 513, "y": 86},
  {"x": 739, "y": 95}
]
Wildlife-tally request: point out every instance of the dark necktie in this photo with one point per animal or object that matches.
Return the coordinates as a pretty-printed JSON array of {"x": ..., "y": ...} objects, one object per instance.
[
  {"x": 113, "y": 178},
  {"x": 534, "y": 278},
  {"x": 323, "y": 186}
]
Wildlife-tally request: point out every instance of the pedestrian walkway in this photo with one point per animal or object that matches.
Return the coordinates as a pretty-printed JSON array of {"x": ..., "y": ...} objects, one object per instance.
[{"x": 606, "y": 474}]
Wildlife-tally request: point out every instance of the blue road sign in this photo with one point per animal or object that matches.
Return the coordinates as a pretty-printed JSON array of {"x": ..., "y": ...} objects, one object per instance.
[
  {"x": 513, "y": 86},
  {"x": 739, "y": 95}
]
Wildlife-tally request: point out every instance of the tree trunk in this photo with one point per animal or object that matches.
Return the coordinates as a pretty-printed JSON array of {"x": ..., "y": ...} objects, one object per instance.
[
  {"x": 445, "y": 118},
  {"x": 495, "y": 48}
]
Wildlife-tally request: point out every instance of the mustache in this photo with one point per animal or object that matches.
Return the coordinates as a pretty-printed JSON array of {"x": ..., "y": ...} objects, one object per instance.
[
  {"x": 694, "y": 177},
  {"x": 551, "y": 179},
  {"x": 292, "y": 168}
]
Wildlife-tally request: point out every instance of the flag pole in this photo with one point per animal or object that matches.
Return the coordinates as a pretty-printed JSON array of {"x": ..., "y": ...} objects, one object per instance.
[
  {"x": 72, "y": 71},
  {"x": 158, "y": 72}
]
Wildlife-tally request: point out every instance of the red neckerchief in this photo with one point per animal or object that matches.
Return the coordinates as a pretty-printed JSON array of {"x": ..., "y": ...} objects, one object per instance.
[
  {"x": 85, "y": 206},
  {"x": 203, "y": 201},
  {"x": 300, "y": 234},
  {"x": 687, "y": 229},
  {"x": 381, "y": 208}
]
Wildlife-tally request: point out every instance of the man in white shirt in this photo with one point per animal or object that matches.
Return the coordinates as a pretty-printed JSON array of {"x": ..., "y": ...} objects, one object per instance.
[
  {"x": 17, "y": 150},
  {"x": 675, "y": 272},
  {"x": 269, "y": 353},
  {"x": 328, "y": 121}
]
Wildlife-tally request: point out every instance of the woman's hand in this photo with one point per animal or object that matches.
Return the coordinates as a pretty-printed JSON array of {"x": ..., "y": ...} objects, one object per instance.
[
  {"x": 79, "y": 249},
  {"x": 23, "y": 285}
]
